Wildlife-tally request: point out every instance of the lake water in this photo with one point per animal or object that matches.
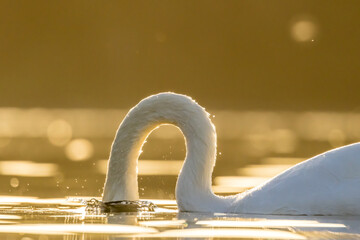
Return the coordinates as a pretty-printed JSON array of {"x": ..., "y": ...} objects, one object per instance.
[
  {"x": 53, "y": 159},
  {"x": 30, "y": 219}
]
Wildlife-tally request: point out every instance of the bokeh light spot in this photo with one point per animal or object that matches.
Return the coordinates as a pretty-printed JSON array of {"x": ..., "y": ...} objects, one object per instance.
[
  {"x": 59, "y": 132},
  {"x": 14, "y": 182},
  {"x": 303, "y": 30},
  {"x": 79, "y": 149}
]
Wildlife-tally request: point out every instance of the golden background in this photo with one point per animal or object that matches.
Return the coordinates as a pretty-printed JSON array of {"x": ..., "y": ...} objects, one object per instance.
[
  {"x": 225, "y": 54},
  {"x": 280, "y": 79}
]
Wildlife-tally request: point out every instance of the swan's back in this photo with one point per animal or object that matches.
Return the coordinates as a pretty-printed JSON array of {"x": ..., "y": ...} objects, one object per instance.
[{"x": 327, "y": 184}]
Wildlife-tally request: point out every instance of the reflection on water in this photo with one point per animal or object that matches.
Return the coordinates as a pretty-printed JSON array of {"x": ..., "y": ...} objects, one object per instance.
[
  {"x": 64, "y": 229},
  {"x": 61, "y": 153},
  {"x": 270, "y": 223},
  {"x": 61, "y": 218},
  {"x": 228, "y": 233},
  {"x": 28, "y": 169}
]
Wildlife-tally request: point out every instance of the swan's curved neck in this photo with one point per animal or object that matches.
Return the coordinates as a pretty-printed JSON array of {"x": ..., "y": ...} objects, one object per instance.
[{"x": 193, "y": 187}]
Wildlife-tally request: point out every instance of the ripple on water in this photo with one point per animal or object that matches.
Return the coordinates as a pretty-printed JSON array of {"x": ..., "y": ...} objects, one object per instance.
[{"x": 63, "y": 217}]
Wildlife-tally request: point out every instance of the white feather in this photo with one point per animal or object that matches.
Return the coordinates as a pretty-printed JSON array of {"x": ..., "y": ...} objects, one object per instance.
[{"x": 328, "y": 184}]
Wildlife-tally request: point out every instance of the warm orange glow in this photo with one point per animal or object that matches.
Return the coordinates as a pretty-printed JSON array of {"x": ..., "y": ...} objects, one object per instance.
[
  {"x": 280, "y": 76},
  {"x": 10, "y": 217},
  {"x": 263, "y": 170},
  {"x": 4, "y": 141},
  {"x": 169, "y": 223},
  {"x": 282, "y": 160},
  {"x": 79, "y": 150},
  {"x": 59, "y": 132},
  {"x": 167, "y": 131},
  {"x": 227, "y": 189},
  {"x": 303, "y": 30},
  {"x": 27, "y": 169},
  {"x": 238, "y": 181},
  {"x": 14, "y": 182},
  {"x": 161, "y": 201},
  {"x": 150, "y": 167},
  {"x": 336, "y": 138},
  {"x": 59, "y": 229},
  {"x": 284, "y": 140},
  {"x": 4, "y": 199}
]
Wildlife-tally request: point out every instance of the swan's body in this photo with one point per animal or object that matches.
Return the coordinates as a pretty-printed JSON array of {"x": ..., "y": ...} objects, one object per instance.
[{"x": 328, "y": 184}]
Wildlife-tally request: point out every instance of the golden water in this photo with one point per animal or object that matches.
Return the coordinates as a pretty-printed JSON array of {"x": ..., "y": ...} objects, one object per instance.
[
  {"x": 50, "y": 160},
  {"x": 29, "y": 218}
]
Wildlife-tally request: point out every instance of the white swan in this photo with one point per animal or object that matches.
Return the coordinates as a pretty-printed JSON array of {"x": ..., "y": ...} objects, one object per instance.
[{"x": 327, "y": 184}]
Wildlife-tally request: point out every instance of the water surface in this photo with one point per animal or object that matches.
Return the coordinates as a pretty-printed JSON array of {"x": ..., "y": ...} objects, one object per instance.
[
  {"x": 30, "y": 218},
  {"x": 52, "y": 159}
]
